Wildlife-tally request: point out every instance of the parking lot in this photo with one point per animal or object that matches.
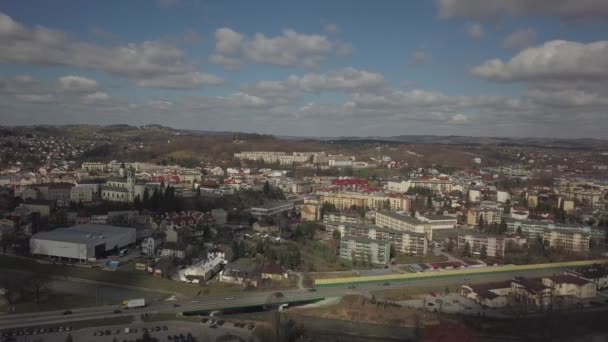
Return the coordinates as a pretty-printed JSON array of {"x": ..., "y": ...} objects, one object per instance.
[{"x": 163, "y": 331}]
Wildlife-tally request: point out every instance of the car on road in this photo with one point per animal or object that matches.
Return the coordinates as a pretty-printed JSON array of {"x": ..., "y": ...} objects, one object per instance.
[
  {"x": 229, "y": 298},
  {"x": 176, "y": 305},
  {"x": 312, "y": 290},
  {"x": 116, "y": 331},
  {"x": 430, "y": 304},
  {"x": 214, "y": 326},
  {"x": 195, "y": 302},
  {"x": 386, "y": 284},
  {"x": 204, "y": 320},
  {"x": 352, "y": 287},
  {"x": 67, "y": 312},
  {"x": 220, "y": 322},
  {"x": 279, "y": 294},
  {"x": 117, "y": 311}
]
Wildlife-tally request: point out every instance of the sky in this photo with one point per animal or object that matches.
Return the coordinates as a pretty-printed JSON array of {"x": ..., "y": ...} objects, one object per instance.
[{"x": 517, "y": 68}]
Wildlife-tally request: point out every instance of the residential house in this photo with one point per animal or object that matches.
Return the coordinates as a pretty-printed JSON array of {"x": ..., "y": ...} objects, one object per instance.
[
  {"x": 492, "y": 295},
  {"x": 569, "y": 285},
  {"x": 273, "y": 271},
  {"x": 531, "y": 291}
]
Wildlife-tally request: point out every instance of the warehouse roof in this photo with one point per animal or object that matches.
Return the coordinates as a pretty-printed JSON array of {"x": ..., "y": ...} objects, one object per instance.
[{"x": 83, "y": 233}]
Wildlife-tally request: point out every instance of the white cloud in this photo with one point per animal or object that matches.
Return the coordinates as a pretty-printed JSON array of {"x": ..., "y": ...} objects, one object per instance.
[
  {"x": 569, "y": 94},
  {"x": 181, "y": 81},
  {"x": 486, "y": 9},
  {"x": 77, "y": 83},
  {"x": 136, "y": 61},
  {"x": 347, "y": 79},
  {"x": 418, "y": 57},
  {"x": 556, "y": 60},
  {"x": 520, "y": 39},
  {"x": 288, "y": 49},
  {"x": 36, "y": 98},
  {"x": 96, "y": 97},
  {"x": 474, "y": 30},
  {"x": 459, "y": 118}
]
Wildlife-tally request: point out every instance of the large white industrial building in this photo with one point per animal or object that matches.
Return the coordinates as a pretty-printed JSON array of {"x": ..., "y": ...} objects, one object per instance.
[{"x": 82, "y": 242}]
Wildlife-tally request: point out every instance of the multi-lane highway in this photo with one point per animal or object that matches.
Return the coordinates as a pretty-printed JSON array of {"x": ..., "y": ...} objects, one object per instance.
[{"x": 242, "y": 300}]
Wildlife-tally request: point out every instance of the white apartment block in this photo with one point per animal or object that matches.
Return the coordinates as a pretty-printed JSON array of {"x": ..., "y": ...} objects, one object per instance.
[
  {"x": 567, "y": 240},
  {"x": 367, "y": 250},
  {"x": 378, "y": 201},
  {"x": 494, "y": 244},
  {"x": 404, "y": 223}
]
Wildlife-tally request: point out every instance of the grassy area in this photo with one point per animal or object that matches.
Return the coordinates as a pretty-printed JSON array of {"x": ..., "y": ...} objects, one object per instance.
[
  {"x": 410, "y": 292},
  {"x": 53, "y": 301},
  {"x": 362, "y": 310},
  {"x": 409, "y": 259},
  {"x": 322, "y": 258},
  {"x": 331, "y": 275},
  {"x": 129, "y": 278}
]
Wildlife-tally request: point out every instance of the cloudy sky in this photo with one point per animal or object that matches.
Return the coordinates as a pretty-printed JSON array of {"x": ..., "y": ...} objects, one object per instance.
[{"x": 525, "y": 68}]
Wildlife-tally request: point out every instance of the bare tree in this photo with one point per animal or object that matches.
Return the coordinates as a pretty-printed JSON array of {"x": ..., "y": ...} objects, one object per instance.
[{"x": 37, "y": 284}]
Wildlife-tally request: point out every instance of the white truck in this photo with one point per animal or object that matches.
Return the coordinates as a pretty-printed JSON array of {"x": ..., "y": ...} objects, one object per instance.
[{"x": 134, "y": 303}]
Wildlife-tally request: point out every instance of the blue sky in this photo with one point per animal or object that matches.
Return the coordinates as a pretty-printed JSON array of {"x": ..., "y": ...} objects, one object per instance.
[{"x": 314, "y": 68}]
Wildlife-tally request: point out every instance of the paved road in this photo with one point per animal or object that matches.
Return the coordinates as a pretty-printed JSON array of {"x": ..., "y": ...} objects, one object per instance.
[{"x": 244, "y": 299}]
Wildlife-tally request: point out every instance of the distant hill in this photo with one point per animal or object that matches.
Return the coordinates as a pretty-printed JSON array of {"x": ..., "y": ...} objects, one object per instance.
[{"x": 121, "y": 129}]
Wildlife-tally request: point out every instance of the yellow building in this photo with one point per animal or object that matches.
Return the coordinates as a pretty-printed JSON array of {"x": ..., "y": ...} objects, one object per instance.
[{"x": 379, "y": 201}]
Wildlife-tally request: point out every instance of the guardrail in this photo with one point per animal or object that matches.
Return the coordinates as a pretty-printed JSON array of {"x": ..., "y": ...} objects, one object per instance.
[{"x": 453, "y": 273}]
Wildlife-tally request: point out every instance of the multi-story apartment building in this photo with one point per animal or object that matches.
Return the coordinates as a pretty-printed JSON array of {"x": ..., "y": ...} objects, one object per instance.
[
  {"x": 402, "y": 186},
  {"x": 575, "y": 242},
  {"x": 94, "y": 166},
  {"x": 491, "y": 213},
  {"x": 378, "y": 201},
  {"x": 439, "y": 221},
  {"x": 331, "y": 220},
  {"x": 531, "y": 229},
  {"x": 410, "y": 243},
  {"x": 436, "y": 184},
  {"x": 83, "y": 192},
  {"x": 271, "y": 209},
  {"x": 404, "y": 223},
  {"x": 494, "y": 244},
  {"x": 361, "y": 249}
]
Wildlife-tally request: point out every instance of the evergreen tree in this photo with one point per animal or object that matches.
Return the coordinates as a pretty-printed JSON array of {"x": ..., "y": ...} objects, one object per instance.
[
  {"x": 266, "y": 189},
  {"x": 467, "y": 249},
  {"x": 450, "y": 246},
  {"x": 483, "y": 253}
]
